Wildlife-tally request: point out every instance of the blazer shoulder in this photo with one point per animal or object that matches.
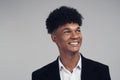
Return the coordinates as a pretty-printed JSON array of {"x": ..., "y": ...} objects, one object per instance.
[
  {"x": 95, "y": 70},
  {"x": 94, "y": 63}
]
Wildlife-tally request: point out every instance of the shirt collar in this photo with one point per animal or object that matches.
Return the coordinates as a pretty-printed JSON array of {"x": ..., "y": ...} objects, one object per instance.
[{"x": 61, "y": 66}]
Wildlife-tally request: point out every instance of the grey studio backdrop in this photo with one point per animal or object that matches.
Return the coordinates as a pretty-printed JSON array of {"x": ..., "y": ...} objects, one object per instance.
[{"x": 25, "y": 45}]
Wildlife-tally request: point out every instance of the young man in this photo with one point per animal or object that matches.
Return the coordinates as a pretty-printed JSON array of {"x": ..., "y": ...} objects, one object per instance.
[{"x": 64, "y": 26}]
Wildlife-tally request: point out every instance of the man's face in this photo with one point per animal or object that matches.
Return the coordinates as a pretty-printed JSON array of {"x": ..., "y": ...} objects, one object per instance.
[{"x": 68, "y": 38}]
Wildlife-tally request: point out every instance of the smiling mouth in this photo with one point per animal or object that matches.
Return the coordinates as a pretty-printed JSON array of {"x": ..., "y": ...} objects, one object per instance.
[{"x": 74, "y": 43}]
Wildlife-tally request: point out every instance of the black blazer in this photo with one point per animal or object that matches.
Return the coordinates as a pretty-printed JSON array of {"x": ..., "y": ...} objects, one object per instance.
[{"x": 91, "y": 70}]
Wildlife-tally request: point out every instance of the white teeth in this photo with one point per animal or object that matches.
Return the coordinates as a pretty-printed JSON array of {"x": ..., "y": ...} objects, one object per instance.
[{"x": 75, "y": 43}]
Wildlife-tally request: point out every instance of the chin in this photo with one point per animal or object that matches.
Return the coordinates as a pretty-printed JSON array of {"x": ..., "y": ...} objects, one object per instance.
[{"x": 74, "y": 51}]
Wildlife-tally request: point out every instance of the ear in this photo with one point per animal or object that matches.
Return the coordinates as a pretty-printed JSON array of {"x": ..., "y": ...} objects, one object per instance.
[{"x": 53, "y": 37}]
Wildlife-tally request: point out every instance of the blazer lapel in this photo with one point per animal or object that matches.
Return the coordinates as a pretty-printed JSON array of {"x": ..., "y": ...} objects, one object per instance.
[
  {"x": 54, "y": 72},
  {"x": 87, "y": 70},
  {"x": 84, "y": 69}
]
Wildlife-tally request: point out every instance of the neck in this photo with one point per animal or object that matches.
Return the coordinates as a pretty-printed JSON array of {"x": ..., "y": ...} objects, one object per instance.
[{"x": 69, "y": 60}]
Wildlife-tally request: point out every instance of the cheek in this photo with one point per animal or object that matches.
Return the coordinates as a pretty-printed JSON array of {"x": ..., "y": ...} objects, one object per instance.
[
  {"x": 80, "y": 36},
  {"x": 65, "y": 38},
  {"x": 80, "y": 40},
  {"x": 62, "y": 40}
]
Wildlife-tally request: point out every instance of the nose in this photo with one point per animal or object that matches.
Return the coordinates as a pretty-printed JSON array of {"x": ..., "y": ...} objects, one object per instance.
[{"x": 74, "y": 35}]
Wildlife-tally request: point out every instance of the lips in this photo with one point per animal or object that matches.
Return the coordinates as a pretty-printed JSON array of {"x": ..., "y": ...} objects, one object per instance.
[{"x": 75, "y": 43}]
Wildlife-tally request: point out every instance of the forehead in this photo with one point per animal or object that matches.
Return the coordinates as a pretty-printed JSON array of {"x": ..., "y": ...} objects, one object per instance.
[{"x": 70, "y": 26}]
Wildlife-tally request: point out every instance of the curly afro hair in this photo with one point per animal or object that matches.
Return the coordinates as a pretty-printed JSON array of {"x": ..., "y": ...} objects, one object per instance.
[{"x": 62, "y": 16}]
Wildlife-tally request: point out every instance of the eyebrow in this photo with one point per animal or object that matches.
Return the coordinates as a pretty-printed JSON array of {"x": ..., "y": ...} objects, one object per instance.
[
  {"x": 70, "y": 29},
  {"x": 66, "y": 29}
]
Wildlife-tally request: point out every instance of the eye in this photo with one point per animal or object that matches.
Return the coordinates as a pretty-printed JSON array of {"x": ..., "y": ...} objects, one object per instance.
[
  {"x": 67, "y": 31},
  {"x": 78, "y": 30}
]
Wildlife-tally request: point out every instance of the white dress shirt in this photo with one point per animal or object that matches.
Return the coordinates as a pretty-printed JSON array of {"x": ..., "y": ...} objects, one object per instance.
[{"x": 67, "y": 75}]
